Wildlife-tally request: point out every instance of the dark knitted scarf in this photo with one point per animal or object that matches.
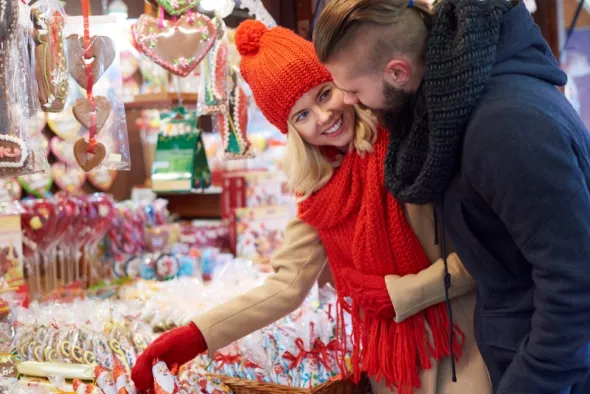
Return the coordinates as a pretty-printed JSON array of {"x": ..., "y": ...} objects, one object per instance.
[{"x": 423, "y": 153}]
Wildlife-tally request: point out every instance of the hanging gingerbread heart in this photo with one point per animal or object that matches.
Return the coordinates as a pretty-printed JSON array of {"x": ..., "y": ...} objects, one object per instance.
[
  {"x": 178, "y": 46},
  {"x": 10, "y": 190},
  {"x": 38, "y": 184},
  {"x": 63, "y": 150},
  {"x": 51, "y": 69},
  {"x": 69, "y": 178},
  {"x": 83, "y": 112},
  {"x": 89, "y": 160},
  {"x": 100, "y": 55},
  {"x": 102, "y": 178},
  {"x": 64, "y": 124},
  {"x": 174, "y": 7}
]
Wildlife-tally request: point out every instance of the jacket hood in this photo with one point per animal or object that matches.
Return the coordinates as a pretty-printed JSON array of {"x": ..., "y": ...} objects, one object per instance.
[{"x": 522, "y": 50}]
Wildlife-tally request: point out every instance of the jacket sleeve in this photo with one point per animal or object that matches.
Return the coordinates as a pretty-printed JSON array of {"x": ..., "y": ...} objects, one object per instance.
[
  {"x": 411, "y": 294},
  {"x": 296, "y": 267},
  {"x": 529, "y": 169}
]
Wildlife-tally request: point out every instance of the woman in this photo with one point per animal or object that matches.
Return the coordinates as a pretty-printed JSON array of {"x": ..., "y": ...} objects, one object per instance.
[{"x": 382, "y": 255}]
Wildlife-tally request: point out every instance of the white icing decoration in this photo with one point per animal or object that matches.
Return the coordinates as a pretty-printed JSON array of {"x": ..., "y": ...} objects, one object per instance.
[{"x": 23, "y": 149}]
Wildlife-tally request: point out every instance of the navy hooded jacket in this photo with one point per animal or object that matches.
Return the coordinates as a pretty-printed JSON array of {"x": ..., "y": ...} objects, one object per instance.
[{"x": 518, "y": 213}]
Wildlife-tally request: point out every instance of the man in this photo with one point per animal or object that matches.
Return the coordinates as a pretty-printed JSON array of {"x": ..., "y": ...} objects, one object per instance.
[{"x": 477, "y": 125}]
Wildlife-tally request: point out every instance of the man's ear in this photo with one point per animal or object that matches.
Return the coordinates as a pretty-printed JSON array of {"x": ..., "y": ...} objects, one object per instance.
[{"x": 397, "y": 73}]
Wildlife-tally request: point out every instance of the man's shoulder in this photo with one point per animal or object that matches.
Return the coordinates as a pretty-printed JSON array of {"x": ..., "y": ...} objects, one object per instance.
[{"x": 517, "y": 120}]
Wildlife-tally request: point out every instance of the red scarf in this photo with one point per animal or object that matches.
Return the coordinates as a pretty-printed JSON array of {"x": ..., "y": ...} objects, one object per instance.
[{"x": 363, "y": 227}]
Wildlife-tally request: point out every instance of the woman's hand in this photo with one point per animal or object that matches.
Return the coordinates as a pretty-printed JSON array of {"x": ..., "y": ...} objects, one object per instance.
[
  {"x": 370, "y": 293},
  {"x": 177, "y": 346}
]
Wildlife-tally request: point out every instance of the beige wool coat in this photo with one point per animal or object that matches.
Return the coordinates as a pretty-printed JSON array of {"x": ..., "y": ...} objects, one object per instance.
[{"x": 299, "y": 263}]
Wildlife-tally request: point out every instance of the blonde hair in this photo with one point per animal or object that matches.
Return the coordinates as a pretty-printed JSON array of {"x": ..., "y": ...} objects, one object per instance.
[
  {"x": 308, "y": 170},
  {"x": 387, "y": 28}
]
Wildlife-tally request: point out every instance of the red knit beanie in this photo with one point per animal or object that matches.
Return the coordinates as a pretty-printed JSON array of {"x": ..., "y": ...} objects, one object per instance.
[{"x": 279, "y": 66}]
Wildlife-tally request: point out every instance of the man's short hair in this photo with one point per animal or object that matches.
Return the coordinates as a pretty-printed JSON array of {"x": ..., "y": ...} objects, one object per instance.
[{"x": 381, "y": 28}]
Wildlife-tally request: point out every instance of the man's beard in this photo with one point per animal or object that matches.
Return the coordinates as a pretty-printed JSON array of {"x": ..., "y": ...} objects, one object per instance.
[{"x": 398, "y": 112}]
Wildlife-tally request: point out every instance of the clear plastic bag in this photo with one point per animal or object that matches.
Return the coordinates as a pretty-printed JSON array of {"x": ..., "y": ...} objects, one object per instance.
[
  {"x": 18, "y": 100},
  {"x": 102, "y": 139},
  {"x": 51, "y": 64}
]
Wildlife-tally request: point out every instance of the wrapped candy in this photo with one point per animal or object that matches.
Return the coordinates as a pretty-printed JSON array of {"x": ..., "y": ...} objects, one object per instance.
[
  {"x": 104, "y": 380},
  {"x": 164, "y": 379}
]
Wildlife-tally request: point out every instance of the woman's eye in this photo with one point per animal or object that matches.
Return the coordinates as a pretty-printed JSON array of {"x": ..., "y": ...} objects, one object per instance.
[
  {"x": 325, "y": 94},
  {"x": 302, "y": 116}
]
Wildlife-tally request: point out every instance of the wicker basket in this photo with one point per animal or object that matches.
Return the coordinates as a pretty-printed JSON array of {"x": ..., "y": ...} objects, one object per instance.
[{"x": 346, "y": 386}]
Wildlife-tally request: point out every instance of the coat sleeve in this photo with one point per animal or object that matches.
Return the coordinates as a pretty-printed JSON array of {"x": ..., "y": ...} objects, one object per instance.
[
  {"x": 296, "y": 267},
  {"x": 411, "y": 294},
  {"x": 529, "y": 169}
]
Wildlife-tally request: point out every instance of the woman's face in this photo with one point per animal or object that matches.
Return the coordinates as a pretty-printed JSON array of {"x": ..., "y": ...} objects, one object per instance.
[{"x": 322, "y": 119}]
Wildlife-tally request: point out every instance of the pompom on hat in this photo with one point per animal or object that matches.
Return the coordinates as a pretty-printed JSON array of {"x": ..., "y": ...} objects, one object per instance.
[{"x": 279, "y": 66}]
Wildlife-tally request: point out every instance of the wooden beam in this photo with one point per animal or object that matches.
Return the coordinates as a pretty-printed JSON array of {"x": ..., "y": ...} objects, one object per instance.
[{"x": 549, "y": 18}]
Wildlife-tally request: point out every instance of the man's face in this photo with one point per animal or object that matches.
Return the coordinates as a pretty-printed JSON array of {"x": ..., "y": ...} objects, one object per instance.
[{"x": 364, "y": 88}]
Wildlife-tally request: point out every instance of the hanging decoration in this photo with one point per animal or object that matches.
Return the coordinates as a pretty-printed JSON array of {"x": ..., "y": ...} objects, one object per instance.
[
  {"x": 89, "y": 57},
  {"x": 213, "y": 95},
  {"x": 234, "y": 123},
  {"x": 51, "y": 68},
  {"x": 68, "y": 178},
  {"x": 102, "y": 178},
  {"x": 178, "y": 46}
]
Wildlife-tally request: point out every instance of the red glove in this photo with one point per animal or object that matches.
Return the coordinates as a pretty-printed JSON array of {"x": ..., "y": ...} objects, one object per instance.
[
  {"x": 370, "y": 293},
  {"x": 177, "y": 346}
]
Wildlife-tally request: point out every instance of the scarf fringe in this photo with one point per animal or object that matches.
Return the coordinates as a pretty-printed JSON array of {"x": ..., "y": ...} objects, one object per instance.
[{"x": 396, "y": 352}]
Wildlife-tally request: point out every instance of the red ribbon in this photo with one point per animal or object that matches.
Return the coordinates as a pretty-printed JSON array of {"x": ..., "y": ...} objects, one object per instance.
[
  {"x": 315, "y": 352},
  {"x": 226, "y": 359},
  {"x": 89, "y": 80}
]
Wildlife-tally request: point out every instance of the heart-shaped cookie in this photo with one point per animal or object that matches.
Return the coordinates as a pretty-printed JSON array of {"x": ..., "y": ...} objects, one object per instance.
[
  {"x": 51, "y": 69},
  {"x": 156, "y": 238},
  {"x": 174, "y": 7},
  {"x": 86, "y": 160},
  {"x": 83, "y": 112},
  {"x": 63, "y": 124},
  {"x": 10, "y": 190},
  {"x": 101, "y": 54},
  {"x": 38, "y": 184},
  {"x": 69, "y": 179},
  {"x": 102, "y": 178},
  {"x": 63, "y": 150},
  {"x": 177, "y": 46}
]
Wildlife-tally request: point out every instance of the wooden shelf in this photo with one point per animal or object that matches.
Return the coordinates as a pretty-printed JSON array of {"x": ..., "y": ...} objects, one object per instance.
[
  {"x": 161, "y": 100},
  {"x": 195, "y": 205}
]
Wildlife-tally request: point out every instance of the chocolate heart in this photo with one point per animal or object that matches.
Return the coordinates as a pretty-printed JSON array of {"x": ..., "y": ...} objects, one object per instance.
[
  {"x": 63, "y": 124},
  {"x": 63, "y": 150},
  {"x": 102, "y": 178},
  {"x": 82, "y": 112},
  {"x": 87, "y": 160},
  {"x": 177, "y": 46},
  {"x": 101, "y": 54},
  {"x": 69, "y": 179}
]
